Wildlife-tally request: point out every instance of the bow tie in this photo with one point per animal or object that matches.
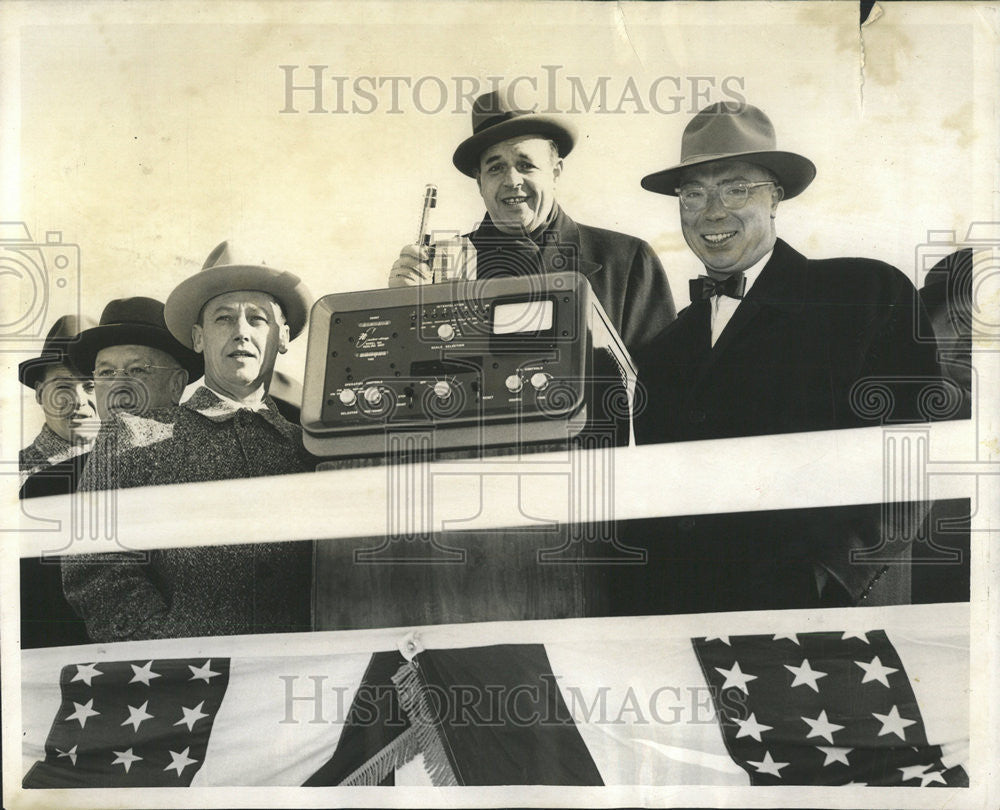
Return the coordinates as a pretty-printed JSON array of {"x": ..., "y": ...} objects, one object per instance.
[{"x": 704, "y": 287}]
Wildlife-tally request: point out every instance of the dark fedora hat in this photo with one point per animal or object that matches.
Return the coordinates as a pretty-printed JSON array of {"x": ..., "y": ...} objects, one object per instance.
[
  {"x": 63, "y": 332},
  {"x": 495, "y": 120},
  {"x": 731, "y": 131},
  {"x": 225, "y": 271},
  {"x": 133, "y": 321}
]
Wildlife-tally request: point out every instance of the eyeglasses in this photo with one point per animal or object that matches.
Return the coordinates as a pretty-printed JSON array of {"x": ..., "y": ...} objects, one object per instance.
[
  {"x": 136, "y": 371},
  {"x": 733, "y": 196}
]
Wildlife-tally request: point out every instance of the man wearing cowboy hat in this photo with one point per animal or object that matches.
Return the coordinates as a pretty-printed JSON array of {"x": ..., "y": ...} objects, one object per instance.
[
  {"x": 773, "y": 342},
  {"x": 516, "y": 158},
  {"x": 52, "y": 463},
  {"x": 237, "y": 317}
]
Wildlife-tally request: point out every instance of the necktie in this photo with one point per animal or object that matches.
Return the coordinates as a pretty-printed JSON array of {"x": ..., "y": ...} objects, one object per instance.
[{"x": 705, "y": 287}]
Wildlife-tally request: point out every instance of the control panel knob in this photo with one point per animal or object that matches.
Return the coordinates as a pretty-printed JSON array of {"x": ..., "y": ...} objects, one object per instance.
[
  {"x": 540, "y": 380},
  {"x": 348, "y": 397},
  {"x": 442, "y": 389},
  {"x": 513, "y": 383},
  {"x": 372, "y": 395},
  {"x": 446, "y": 331}
]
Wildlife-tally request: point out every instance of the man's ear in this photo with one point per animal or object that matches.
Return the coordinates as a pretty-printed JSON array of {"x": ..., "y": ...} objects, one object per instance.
[
  {"x": 197, "y": 338},
  {"x": 178, "y": 382},
  {"x": 284, "y": 338},
  {"x": 777, "y": 195},
  {"x": 557, "y": 168},
  {"x": 38, "y": 392}
]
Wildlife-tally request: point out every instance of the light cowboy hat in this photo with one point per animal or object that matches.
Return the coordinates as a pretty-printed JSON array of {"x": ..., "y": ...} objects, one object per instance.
[
  {"x": 54, "y": 351},
  {"x": 134, "y": 321},
  {"x": 731, "y": 131},
  {"x": 495, "y": 120},
  {"x": 222, "y": 273}
]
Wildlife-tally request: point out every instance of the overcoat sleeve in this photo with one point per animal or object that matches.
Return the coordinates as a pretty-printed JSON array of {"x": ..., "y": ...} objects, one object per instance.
[{"x": 112, "y": 593}]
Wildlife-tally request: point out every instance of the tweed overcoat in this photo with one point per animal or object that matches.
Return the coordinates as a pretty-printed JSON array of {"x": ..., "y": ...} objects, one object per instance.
[{"x": 260, "y": 587}]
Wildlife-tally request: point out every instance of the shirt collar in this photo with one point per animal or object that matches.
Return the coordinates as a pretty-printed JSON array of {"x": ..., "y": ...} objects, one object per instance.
[
  {"x": 752, "y": 273},
  {"x": 218, "y": 408}
]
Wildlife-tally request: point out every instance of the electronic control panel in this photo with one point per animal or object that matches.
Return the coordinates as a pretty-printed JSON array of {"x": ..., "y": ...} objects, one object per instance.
[{"x": 488, "y": 362}]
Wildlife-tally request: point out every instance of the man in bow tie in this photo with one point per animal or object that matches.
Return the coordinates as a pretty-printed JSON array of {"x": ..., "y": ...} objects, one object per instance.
[
  {"x": 774, "y": 342},
  {"x": 238, "y": 316}
]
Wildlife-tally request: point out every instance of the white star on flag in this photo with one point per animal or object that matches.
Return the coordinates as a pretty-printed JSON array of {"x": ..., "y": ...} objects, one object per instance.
[
  {"x": 736, "y": 678},
  {"x": 892, "y": 723},
  {"x": 136, "y": 714},
  {"x": 83, "y": 711},
  {"x": 854, "y": 634},
  {"x": 71, "y": 754},
  {"x": 789, "y": 636},
  {"x": 203, "y": 672},
  {"x": 85, "y": 673},
  {"x": 191, "y": 716},
  {"x": 751, "y": 728},
  {"x": 834, "y": 754},
  {"x": 805, "y": 675},
  {"x": 768, "y": 765},
  {"x": 125, "y": 758},
  {"x": 932, "y": 776},
  {"x": 874, "y": 671},
  {"x": 144, "y": 673},
  {"x": 180, "y": 760},
  {"x": 821, "y": 727},
  {"x": 913, "y": 772},
  {"x": 723, "y": 639}
]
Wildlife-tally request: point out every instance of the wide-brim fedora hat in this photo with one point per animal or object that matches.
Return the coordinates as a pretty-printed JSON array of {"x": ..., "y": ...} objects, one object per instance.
[
  {"x": 136, "y": 321},
  {"x": 64, "y": 331},
  {"x": 495, "y": 120},
  {"x": 224, "y": 272},
  {"x": 732, "y": 131}
]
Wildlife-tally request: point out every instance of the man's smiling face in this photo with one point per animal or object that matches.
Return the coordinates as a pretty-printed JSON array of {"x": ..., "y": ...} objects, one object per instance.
[
  {"x": 730, "y": 241},
  {"x": 517, "y": 180}
]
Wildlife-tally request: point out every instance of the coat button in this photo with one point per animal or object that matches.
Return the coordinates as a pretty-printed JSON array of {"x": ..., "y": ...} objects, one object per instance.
[{"x": 686, "y": 523}]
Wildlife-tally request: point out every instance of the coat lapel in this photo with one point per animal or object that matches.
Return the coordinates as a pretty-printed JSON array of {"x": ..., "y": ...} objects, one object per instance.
[{"x": 779, "y": 288}]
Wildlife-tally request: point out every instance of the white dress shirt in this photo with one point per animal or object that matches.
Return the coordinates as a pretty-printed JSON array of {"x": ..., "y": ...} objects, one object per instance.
[{"x": 723, "y": 307}]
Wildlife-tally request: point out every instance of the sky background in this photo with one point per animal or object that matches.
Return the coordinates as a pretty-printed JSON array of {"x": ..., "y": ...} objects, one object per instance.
[{"x": 147, "y": 133}]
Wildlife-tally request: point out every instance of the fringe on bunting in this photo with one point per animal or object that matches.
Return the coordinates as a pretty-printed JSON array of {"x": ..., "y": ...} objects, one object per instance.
[
  {"x": 413, "y": 699},
  {"x": 422, "y": 737},
  {"x": 396, "y": 754}
]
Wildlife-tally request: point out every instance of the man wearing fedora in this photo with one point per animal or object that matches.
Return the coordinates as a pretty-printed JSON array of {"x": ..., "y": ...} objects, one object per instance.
[
  {"x": 516, "y": 158},
  {"x": 236, "y": 317},
  {"x": 773, "y": 342},
  {"x": 51, "y": 465},
  {"x": 135, "y": 362}
]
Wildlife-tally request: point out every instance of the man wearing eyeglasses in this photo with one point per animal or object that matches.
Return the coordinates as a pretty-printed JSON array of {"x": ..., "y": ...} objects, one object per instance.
[
  {"x": 235, "y": 317},
  {"x": 136, "y": 364},
  {"x": 773, "y": 342}
]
